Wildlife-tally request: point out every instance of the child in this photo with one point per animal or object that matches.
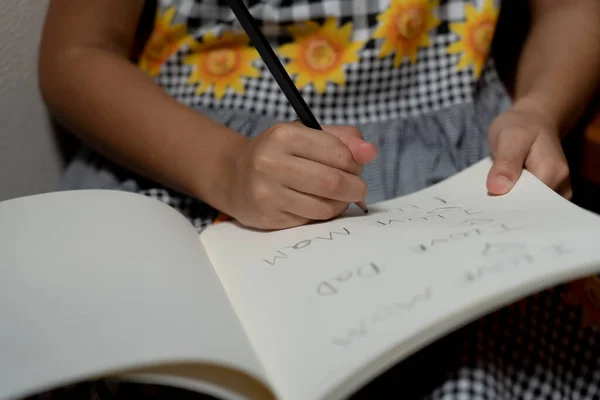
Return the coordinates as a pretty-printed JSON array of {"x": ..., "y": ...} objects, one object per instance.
[{"x": 409, "y": 96}]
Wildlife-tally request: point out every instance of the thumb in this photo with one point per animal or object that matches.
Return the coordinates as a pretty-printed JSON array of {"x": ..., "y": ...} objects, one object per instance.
[
  {"x": 362, "y": 151},
  {"x": 509, "y": 151}
]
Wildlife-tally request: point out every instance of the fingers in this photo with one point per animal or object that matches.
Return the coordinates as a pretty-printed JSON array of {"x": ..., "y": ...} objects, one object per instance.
[
  {"x": 280, "y": 220},
  {"x": 324, "y": 147},
  {"x": 310, "y": 144},
  {"x": 291, "y": 175},
  {"x": 312, "y": 207},
  {"x": 296, "y": 209},
  {"x": 527, "y": 137},
  {"x": 509, "y": 148},
  {"x": 320, "y": 180},
  {"x": 555, "y": 176},
  {"x": 539, "y": 152},
  {"x": 549, "y": 165},
  {"x": 363, "y": 152}
]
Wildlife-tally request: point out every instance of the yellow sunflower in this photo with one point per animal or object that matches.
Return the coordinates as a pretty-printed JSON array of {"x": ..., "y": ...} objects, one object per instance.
[
  {"x": 222, "y": 62},
  {"x": 585, "y": 293},
  {"x": 164, "y": 41},
  {"x": 476, "y": 35},
  {"x": 318, "y": 53},
  {"x": 405, "y": 26}
]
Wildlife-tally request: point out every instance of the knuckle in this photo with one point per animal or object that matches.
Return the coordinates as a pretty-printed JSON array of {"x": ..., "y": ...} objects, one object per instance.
[
  {"x": 281, "y": 132},
  {"x": 261, "y": 193},
  {"x": 333, "y": 182},
  {"x": 262, "y": 163}
]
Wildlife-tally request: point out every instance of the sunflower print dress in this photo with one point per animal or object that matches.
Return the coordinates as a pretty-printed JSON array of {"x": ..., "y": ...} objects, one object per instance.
[{"x": 416, "y": 77}]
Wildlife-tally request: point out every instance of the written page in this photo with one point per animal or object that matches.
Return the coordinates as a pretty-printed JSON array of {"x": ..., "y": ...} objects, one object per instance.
[
  {"x": 326, "y": 303},
  {"x": 94, "y": 282}
]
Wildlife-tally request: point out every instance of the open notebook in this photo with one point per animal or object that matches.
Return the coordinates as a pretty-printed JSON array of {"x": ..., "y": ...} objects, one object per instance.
[{"x": 104, "y": 283}]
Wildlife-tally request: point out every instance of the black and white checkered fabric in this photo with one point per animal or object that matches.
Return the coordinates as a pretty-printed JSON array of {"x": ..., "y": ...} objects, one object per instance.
[
  {"x": 198, "y": 213},
  {"x": 535, "y": 349},
  {"x": 375, "y": 90}
]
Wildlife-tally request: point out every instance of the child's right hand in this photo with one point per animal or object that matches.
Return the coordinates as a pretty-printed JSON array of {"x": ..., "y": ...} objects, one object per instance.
[
  {"x": 290, "y": 175},
  {"x": 287, "y": 176}
]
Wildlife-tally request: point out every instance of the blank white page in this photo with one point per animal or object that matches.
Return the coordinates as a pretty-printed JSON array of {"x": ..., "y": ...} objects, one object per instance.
[
  {"x": 97, "y": 281},
  {"x": 324, "y": 304}
]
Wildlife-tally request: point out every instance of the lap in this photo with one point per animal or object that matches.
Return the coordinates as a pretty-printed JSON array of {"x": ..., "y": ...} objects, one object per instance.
[{"x": 544, "y": 347}]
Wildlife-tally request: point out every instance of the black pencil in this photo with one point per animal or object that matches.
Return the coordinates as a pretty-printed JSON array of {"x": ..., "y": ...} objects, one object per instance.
[{"x": 272, "y": 62}]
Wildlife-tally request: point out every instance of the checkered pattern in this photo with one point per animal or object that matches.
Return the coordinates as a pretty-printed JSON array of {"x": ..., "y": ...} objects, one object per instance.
[
  {"x": 198, "y": 213},
  {"x": 535, "y": 350},
  {"x": 374, "y": 91},
  {"x": 413, "y": 153}
]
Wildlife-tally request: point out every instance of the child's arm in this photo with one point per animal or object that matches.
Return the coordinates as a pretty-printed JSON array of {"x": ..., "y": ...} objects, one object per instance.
[
  {"x": 557, "y": 74},
  {"x": 559, "y": 68},
  {"x": 92, "y": 87}
]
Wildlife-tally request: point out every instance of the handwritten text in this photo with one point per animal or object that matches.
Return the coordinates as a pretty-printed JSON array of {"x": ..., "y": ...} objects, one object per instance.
[
  {"x": 288, "y": 250},
  {"x": 380, "y": 315},
  {"x": 332, "y": 286}
]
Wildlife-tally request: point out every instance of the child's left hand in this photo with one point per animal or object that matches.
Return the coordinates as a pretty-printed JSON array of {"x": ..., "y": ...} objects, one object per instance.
[{"x": 526, "y": 136}]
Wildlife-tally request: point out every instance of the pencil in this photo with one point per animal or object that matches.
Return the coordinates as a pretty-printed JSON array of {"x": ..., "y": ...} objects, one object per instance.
[{"x": 279, "y": 73}]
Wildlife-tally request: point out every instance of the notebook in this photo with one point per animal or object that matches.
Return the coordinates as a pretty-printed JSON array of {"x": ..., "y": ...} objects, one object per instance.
[{"x": 101, "y": 283}]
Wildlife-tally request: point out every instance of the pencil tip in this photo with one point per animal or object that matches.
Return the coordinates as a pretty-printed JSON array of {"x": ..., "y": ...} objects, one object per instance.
[{"x": 363, "y": 206}]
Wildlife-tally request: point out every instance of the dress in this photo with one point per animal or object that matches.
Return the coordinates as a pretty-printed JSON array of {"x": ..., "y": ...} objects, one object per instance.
[
  {"x": 415, "y": 77},
  {"x": 425, "y": 101}
]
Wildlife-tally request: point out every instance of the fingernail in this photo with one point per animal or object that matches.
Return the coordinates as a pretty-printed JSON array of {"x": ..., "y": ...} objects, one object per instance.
[{"x": 504, "y": 183}]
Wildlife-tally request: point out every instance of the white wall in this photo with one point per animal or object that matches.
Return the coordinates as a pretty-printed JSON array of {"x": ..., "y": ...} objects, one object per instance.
[{"x": 29, "y": 158}]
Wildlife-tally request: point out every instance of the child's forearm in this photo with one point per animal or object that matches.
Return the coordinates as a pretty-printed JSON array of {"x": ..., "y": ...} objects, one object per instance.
[
  {"x": 121, "y": 112},
  {"x": 559, "y": 68}
]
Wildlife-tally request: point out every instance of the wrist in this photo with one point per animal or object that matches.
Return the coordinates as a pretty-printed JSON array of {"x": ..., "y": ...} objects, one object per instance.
[
  {"x": 214, "y": 175},
  {"x": 542, "y": 108}
]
